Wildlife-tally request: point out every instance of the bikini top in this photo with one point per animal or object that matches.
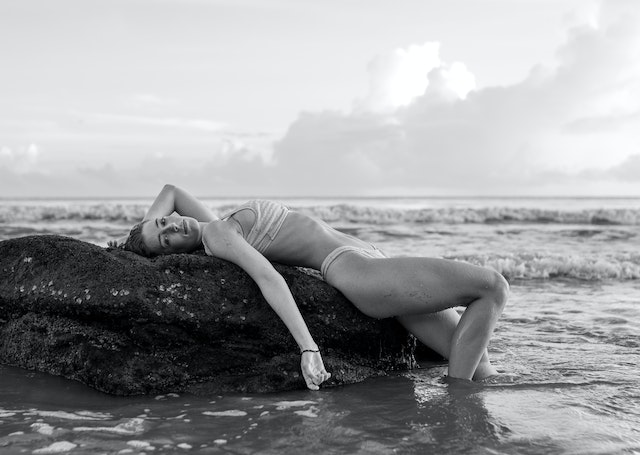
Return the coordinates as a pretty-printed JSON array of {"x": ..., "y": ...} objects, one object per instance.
[{"x": 269, "y": 216}]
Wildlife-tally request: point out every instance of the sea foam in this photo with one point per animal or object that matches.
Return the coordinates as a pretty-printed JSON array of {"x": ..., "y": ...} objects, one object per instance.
[
  {"x": 534, "y": 266},
  {"x": 352, "y": 213}
]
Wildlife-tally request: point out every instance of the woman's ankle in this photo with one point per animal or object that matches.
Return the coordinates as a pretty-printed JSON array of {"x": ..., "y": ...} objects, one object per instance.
[{"x": 484, "y": 370}]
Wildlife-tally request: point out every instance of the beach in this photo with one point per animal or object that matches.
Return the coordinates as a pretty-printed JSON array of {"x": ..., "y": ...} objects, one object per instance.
[{"x": 567, "y": 342}]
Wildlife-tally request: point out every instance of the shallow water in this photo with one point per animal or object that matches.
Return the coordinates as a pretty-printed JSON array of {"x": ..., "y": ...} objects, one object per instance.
[{"x": 570, "y": 348}]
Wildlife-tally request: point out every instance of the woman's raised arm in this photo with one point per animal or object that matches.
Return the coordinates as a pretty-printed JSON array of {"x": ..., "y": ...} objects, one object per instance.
[{"x": 173, "y": 199}]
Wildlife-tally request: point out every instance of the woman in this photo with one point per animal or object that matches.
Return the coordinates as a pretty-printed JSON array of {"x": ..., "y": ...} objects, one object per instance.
[{"x": 419, "y": 292}]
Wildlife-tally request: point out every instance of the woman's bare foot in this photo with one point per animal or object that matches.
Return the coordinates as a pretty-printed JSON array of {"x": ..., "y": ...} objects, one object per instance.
[{"x": 485, "y": 370}]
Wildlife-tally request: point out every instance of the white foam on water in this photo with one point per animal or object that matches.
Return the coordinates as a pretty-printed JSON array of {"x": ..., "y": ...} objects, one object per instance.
[
  {"x": 474, "y": 215},
  {"x": 603, "y": 212},
  {"x": 57, "y": 447},
  {"x": 42, "y": 428},
  {"x": 229, "y": 413},
  {"x": 16, "y": 410},
  {"x": 139, "y": 444},
  {"x": 95, "y": 415},
  {"x": 81, "y": 415},
  {"x": 311, "y": 412},
  {"x": 130, "y": 427},
  {"x": 282, "y": 405},
  {"x": 528, "y": 266}
]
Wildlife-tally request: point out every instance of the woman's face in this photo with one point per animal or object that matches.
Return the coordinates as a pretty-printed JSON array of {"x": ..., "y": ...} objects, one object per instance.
[{"x": 172, "y": 234}]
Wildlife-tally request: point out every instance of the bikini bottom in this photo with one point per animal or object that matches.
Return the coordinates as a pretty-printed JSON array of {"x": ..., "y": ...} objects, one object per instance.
[{"x": 364, "y": 252}]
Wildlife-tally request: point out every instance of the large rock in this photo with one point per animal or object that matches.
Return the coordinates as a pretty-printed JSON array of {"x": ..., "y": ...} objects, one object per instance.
[{"x": 125, "y": 324}]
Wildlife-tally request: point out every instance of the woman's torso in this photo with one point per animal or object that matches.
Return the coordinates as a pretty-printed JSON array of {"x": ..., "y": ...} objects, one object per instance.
[{"x": 301, "y": 239}]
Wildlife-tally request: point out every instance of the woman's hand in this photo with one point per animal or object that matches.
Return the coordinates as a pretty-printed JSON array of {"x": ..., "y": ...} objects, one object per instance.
[
  {"x": 117, "y": 243},
  {"x": 313, "y": 369}
]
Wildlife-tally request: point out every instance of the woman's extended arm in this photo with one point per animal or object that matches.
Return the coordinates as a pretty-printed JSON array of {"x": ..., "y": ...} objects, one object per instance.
[
  {"x": 173, "y": 199},
  {"x": 225, "y": 242}
]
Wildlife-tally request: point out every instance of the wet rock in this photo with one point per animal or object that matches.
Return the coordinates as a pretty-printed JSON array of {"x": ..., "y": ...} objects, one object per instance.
[{"x": 126, "y": 325}]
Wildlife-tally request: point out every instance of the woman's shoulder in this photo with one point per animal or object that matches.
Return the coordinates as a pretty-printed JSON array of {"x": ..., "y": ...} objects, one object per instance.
[
  {"x": 215, "y": 231},
  {"x": 219, "y": 227}
]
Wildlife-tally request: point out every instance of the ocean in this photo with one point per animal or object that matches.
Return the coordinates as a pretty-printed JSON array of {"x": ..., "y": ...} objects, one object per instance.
[{"x": 568, "y": 340}]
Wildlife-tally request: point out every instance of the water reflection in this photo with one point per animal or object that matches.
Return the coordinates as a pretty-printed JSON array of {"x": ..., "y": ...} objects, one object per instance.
[
  {"x": 412, "y": 413},
  {"x": 453, "y": 414}
]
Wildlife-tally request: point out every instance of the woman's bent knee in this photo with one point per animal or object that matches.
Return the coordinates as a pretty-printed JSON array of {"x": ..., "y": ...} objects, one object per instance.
[{"x": 497, "y": 289}]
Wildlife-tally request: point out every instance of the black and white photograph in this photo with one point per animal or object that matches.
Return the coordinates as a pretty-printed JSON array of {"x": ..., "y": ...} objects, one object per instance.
[{"x": 320, "y": 227}]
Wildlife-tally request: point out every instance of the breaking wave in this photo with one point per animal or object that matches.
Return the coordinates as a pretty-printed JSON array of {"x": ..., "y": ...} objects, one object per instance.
[
  {"x": 14, "y": 213},
  {"x": 128, "y": 213},
  {"x": 620, "y": 267},
  {"x": 489, "y": 215}
]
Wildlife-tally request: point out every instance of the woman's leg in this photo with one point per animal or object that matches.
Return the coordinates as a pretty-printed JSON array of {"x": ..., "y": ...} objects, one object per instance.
[
  {"x": 435, "y": 330},
  {"x": 414, "y": 286}
]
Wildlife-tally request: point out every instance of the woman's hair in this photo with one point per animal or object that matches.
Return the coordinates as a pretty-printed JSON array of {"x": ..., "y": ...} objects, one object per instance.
[{"x": 135, "y": 243}]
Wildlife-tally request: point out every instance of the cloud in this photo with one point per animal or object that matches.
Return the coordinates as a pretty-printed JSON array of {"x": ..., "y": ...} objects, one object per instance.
[
  {"x": 156, "y": 122},
  {"x": 398, "y": 77},
  {"x": 165, "y": 133},
  {"x": 558, "y": 122},
  {"x": 423, "y": 127},
  {"x": 628, "y": 170},
  {"x": 602, "y": 123},
  {"x": 20, "y": 161}
]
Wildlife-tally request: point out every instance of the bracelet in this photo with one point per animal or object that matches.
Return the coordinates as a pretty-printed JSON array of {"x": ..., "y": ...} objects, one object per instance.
[{"x": 309, "y": 350}]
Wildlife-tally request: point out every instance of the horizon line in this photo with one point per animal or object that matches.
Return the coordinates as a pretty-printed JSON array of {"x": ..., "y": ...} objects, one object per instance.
[{"x": 282, "y": 196}]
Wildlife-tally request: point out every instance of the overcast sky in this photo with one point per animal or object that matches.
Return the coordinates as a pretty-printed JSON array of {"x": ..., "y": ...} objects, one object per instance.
[{"x": 336, "y": 97}]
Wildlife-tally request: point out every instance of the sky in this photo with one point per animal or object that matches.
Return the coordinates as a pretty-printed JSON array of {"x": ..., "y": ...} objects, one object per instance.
[{"x": 114, "y": 98}]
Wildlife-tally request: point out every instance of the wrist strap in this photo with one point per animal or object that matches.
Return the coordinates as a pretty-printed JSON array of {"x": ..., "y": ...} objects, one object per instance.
[{"x": 309, "y": 350}]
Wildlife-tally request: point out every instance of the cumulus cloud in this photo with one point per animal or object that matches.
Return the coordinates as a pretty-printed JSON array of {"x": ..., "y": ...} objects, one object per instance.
[
  {"x": 398, "y": 77},
  {"x": 429, "y": 137}
]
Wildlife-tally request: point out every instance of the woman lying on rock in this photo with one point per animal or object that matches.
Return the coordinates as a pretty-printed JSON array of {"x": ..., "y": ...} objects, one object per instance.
[{"x": 420, "y": 292}]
